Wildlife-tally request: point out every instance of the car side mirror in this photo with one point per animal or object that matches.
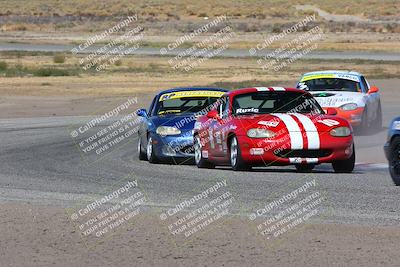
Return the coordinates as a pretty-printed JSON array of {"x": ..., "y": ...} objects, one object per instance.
[
  {"x": 331, "y": 111},
  {"x": 141, "y": 112},
  {"x": 213, "y": 114},
  {"x": 373, "y": 89}
]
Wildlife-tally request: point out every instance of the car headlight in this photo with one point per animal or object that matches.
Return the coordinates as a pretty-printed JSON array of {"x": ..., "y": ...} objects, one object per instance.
[
  {"x": 396, "y": 125},
  {"x": 168, "y": 130},
  {"x": 340, "y": 131},
  {"x": 350, "y": 106},
  {"x": 260, "y": 133}
]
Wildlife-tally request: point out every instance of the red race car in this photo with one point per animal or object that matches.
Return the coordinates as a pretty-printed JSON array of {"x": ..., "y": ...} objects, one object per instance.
[{"x": 264, "y": 126}]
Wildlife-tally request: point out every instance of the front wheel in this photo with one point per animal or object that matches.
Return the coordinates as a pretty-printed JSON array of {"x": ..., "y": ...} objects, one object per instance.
[
  {"x": 198, "y": 156},
  {"x": 142, "y": 155},
  {"x": 151, "y": 157},
  {"x": 347, "y": 165},
  {"x": 235, "y": 156},
  {"x": 394, "y": 161}
]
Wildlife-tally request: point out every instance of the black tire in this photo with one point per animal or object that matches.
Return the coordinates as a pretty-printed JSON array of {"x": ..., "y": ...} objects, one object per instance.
[
  {"x": 142, "y": 155},
  {"x": 235, "y": 156},
  {"x": 305, "y": 167},
  {"x": 394, "y": 160},
  {"x": 364, "y": 127},
  {"x": 198, "y": 156},
  {"x": 151, "y": 156},
  {"x": 378, "y": 120},
  {"x": 345, "y": 166}
]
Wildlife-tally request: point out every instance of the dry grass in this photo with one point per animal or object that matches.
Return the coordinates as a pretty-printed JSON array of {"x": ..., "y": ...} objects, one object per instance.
[
  {"x": 148, "y": 74},
  {"x": 188, "y": 8}
]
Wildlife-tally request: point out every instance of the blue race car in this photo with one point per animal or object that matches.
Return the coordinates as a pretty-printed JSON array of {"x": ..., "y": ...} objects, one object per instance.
[
  {"x": 392, "y": 150},
  {"x": 166, "y": 130}
]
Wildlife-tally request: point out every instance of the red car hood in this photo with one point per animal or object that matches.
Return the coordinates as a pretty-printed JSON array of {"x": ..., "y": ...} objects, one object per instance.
[{"x": 294, "y": 122}]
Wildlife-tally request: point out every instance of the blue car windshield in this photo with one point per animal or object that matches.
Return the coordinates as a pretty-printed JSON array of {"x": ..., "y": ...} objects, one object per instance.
[{"x": 183, "y": 105}]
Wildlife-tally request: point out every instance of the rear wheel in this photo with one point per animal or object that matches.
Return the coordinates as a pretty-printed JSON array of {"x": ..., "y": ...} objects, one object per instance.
[
  {"x": 394, "y": 161},
  {"x": 142, "y": 155},
  {"x": 305, "y": 167},
  {"x": 151, "y": 157},
  {"x": 198, "y": 156},
  {"x": 235, "y": 156},
  {"x": 345, "y": 166}
]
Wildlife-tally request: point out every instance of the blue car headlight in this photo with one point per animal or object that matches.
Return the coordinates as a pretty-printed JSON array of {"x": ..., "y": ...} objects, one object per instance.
[
  {"x": 168, "y": 130},
  {"x": 396, "y": 125}
]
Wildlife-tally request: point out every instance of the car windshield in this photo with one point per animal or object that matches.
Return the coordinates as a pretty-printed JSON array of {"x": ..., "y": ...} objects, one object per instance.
[
  {"x": 186, "y": 101},
  {"x": 275, "y": 102},
  {"x": 330, "y": 84}
]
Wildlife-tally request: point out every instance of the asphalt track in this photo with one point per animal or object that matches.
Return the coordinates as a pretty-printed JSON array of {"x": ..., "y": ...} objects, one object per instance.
[
  {"x": 40, "y": 163},
  {"x": 240, "y": 53}
]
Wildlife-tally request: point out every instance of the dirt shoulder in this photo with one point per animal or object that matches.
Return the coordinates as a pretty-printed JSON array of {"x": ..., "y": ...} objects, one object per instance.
[
  {"x": 27, "y": 97},
  {"x": 43, "y": 236}
]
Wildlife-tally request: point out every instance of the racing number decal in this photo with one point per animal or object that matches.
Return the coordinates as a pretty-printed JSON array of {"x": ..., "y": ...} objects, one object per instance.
[{"x": 329, "y": 122}]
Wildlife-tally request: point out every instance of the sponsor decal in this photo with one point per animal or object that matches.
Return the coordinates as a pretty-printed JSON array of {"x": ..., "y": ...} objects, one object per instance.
[
  {"x": 329, "y": 122},
  {"x": 332, "y": 75},
  {"x": 190, "y": 94},
  {"x": 244, "y": 110},
  {"x": 334, "y": 101},
  {"x": 303, "y": 160},
  {"x": 270, "y": 89},
  {"x": 272, "y": 123},
  {"x": 348, "y": 77},
  {"x": 278, "y": 89},
  {"x": 295, "y": 160},
  {"x": 262, "y": 89}
]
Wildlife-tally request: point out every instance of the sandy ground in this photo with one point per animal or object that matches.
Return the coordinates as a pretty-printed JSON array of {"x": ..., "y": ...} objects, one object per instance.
[
  {"x": 84, "y": 98},
  {"x": 43, "y": 236}
]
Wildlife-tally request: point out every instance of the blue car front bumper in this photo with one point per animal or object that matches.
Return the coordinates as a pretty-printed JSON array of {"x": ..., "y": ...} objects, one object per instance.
[{"x": 173, "y": 146}]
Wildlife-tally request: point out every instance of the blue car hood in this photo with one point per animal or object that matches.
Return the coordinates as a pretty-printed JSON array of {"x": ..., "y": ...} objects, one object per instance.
[{"x": 182, "y": 122}]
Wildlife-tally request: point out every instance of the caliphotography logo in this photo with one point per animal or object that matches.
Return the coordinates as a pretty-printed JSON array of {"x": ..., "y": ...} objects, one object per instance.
[
  {"x": 290, "y": 210},
  {"x": 107, "y": 213},
  {"x": 198, "y": 212},
  {"x": 288, "y": 51},
  {"x": 114, "y": 127}
]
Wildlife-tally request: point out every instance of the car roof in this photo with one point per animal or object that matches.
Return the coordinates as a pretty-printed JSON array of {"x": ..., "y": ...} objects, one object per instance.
[
  {"x": 179, "y": 89},
  {"x": 266, "y": 89},
  {"x": 334, "y": 72}
]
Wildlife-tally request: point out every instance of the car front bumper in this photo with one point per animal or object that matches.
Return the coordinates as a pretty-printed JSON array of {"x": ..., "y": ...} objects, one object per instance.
[
  {"x": 173, "y": 146},
  {"x": 271, "y": 153}
]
